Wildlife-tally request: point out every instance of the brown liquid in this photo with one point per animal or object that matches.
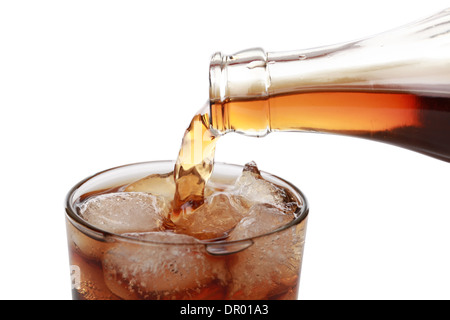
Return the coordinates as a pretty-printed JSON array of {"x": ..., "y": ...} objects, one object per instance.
[
  {"x": 97, "y": 281},
  {"x": 94, "y": 287},
  {"x": 418, "y": 122},
  {"x": 194, "y": 165}
]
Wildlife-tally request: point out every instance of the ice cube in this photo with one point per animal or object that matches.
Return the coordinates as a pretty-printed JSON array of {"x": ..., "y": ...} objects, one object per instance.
[
  {"x": 152, "y": 270},
  {"x": 252, "y": 187},
  {"x": 124, "y": 212},
  {"x": 158, "y": 184},
  {"x": 214, "y": 219},
  {"x": 271, "y": 266},
  {"x": 261, "y": 219}
]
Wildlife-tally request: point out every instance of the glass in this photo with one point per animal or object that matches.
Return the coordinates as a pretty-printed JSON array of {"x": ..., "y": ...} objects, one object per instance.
[{"x": 105, "y": 265}]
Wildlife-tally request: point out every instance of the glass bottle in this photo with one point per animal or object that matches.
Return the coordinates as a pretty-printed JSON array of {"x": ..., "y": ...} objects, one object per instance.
[{"x": 393, "y": 87}]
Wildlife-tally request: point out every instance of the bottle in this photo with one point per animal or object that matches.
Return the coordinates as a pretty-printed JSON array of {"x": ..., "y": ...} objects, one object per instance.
[{"x": 393, "y": 87}]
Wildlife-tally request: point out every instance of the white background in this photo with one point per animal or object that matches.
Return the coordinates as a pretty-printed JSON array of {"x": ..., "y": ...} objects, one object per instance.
[{"x": 89, "y": 85}]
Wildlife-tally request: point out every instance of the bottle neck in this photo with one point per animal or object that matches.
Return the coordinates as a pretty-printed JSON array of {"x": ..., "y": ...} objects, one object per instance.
[{"x": 243, "y": 78}]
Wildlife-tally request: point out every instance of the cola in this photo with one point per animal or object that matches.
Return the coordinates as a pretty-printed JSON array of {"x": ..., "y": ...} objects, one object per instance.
[{"x": 244, "y": 241}]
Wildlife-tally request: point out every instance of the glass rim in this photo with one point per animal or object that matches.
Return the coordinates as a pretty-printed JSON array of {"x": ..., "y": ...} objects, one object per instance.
[{"x": 103, "y": 235}]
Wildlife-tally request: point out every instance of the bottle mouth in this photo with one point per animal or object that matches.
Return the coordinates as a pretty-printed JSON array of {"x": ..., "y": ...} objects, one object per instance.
[
  {"x": 216, "y": 73},
  {"x": 239, "y": 76}
]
